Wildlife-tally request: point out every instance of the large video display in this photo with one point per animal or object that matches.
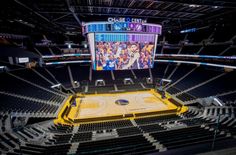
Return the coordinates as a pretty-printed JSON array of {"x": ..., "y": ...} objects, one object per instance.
[{"x": 120, "y": 51}]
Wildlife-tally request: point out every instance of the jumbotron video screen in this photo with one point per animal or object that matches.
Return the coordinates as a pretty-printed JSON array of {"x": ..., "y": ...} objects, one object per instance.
[{"x": 120, "y": 51}]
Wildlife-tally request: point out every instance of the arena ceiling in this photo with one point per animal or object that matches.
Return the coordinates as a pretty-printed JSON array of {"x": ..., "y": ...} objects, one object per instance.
[{"x": 66, "y": 16}]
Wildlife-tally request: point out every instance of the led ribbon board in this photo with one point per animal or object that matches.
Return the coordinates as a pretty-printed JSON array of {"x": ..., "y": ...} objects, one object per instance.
[
  {"x": 122, "y": 43},
  {"x": 94, "y": 27}
]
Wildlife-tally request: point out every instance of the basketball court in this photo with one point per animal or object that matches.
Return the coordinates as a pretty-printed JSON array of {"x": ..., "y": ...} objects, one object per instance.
[{"x": 102, "y": 105}]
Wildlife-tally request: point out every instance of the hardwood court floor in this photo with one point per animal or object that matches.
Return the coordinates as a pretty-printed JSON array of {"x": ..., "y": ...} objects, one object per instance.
[{"x": 101, "y": 105}]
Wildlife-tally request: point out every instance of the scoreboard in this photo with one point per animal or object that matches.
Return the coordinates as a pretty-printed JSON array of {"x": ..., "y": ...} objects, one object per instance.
[{"x": 122, "y": 43}]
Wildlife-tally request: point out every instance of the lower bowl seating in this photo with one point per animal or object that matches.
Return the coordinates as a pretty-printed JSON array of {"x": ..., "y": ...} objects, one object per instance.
[{"x": 124, "y": 145}]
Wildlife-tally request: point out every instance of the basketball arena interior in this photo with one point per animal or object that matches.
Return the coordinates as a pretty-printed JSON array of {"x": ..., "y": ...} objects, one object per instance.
[{"x": 114, "y": 77}]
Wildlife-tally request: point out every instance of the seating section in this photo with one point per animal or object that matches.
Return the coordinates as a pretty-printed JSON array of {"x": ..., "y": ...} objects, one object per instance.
[
  {"x": 46, "y": 74},
  {"x": 229, "y": 99},
  {"x": 30, "y": 75},
  {"x": 13, "y": 104},
  {"x": 213, "y": 83},
  {"x": 143, "y": 73},
  {"x": 8, "y": 82},
  {"x": 71, "y": 138},
  {"x": 173, "y": 139},
  {"x": 59, "y": 139},
  {"x": 189, "y": 114},
  {"x": 175, "y": 102},
  {"x": 213, "y": 49},
  {"x": 60, "y": 128},
  {"x": 94, "y": 119},
  {"x": 129, "y": 140},
  {"x": 105, "y": 75},
  {"x": 166, "y": 112},
  {"x": 228, "y": 125},
  {"x": 181, "y": 71},
  {"x": 31, "y": 94},
  {"x": 79, "y": 137},
  {"x": 100, "y": 89},
  {"x": 173, "y": 90},
  {"x": 128, "y": 131},
  {"x": 186, "y": 97},
  {"x": 105, "y": 125},
  {"x": 33, "y": 120},
  {"x": 40, "y": 149},
  {"x": 4, "y": 141},
  {"x": 158, "y": 70},
  {"x": 196, "y": 121},
  {"x": 121, "y": 74},
  {"x": 169, "y": 69},
  {"x": 3, "y": 119},
  {"x": 151, "y": 128},
  {"x": 218, "y": 86},
  {"x": 61, "y": 74},
  {"x": 131, "y": 87},
  {"x": 124, "y": 145},
  {"x": 36, "y": 130},
  {"x": 193, "y": 78},
  {"x": 79, "y": 72},
  {"x": 156, "y": 119}
]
